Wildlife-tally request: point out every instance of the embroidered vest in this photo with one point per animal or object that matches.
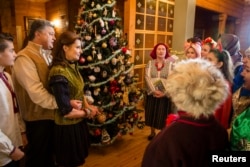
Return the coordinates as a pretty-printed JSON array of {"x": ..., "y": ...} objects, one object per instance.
[{"x": 75, "y": 84}]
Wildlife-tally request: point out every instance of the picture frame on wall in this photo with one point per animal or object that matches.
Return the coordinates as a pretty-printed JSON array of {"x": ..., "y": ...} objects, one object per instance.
[{"x": 28, "y": 20}]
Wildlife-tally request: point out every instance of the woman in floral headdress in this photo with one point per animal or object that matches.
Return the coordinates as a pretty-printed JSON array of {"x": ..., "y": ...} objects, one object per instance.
[
  {"x": 206, "y": 45},
  {"x": 157, "y": 104}
]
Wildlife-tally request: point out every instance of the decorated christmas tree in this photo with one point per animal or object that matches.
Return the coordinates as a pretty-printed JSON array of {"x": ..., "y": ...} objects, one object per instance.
[{"x": 107, "y": 71}]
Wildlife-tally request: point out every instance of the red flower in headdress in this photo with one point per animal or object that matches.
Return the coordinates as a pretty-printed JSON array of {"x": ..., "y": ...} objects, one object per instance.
[{"x": 210, "y": 42}]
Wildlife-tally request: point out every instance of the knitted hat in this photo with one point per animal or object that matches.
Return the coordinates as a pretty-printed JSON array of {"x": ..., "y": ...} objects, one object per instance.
[
  {"x": 231, "y": 43},
  {"x": 153, "y": 52}
]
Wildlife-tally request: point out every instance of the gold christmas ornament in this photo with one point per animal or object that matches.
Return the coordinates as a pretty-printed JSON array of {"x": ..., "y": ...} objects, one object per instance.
[
  {"x": 87, "y": 37},
  {"x": 104, "y": 45},
  {"x": 101, "y": 118},
  {"x": 89, "y": 58},
  {"x": 94, "y": 15}
]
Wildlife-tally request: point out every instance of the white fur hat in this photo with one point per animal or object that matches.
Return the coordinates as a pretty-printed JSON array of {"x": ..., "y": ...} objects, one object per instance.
[{"x": 197, "y": 87}]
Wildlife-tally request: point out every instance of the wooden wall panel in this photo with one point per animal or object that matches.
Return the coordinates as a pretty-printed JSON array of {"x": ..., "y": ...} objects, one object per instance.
[
  {"x": 245, "y": 28},
  {"x": 229, "y": 7},
  {"x": 73, "y": 7},
  {"x": 58, "y": 10},
  {"x": 26, "y": 8}
]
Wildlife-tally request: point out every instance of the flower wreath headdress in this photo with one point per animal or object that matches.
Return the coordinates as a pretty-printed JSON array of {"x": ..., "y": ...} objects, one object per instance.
[{"x": 210, "y": 42}]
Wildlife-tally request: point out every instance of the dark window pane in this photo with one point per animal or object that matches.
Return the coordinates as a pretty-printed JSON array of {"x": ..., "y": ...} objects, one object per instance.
[
  {"x": 162, "y": 9},
  {"x": 170, "y": 11},
  {"x": 139, "y": 39},
  {"x": 170, "y": 25},
  {"x": 169, "y": 41},
  {"x": 151, "y": 5},
  {"x": 150, "y": 23},
  {"x": 140, "y": 6},
  {"x": 139, "y": 22},
  {"x": 138, "y": 58},
  {"x": 161, "y": 24}
]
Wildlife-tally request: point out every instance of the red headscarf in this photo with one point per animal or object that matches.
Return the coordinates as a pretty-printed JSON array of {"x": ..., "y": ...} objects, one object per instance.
[{"x": 153, "y": 52}]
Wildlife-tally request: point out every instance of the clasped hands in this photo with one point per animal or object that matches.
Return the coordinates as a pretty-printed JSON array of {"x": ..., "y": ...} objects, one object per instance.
[
  {"x": 158, "y": 94},
  {"x": 79, "y": 112}
]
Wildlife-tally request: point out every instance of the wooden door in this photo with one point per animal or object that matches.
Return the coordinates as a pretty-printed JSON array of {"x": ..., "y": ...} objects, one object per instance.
[{"x": 147, "y": 22}]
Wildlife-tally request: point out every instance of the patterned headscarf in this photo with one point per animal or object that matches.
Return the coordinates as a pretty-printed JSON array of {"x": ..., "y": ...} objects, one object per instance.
[{"x": 196, "y": 46}]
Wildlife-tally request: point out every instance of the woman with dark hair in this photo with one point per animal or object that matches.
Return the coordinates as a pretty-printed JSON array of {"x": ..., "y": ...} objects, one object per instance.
[
  {"x": 206, "y": 45},
  {"x": 71, "y": 131},
  {"x": 157, "y": 104},
  {"x": 222, "y": 60}
]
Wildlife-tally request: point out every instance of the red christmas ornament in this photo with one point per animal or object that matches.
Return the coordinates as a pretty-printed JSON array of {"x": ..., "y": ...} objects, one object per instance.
[
  {"x": 82, "y": 60},
  {"x": 135, "y": 115},
  {"x": 113, "y": 87},
  {"x": 124, "y": 50},
  {"x": 97, "y": 132},
  {"x": 112, "y": 22}
]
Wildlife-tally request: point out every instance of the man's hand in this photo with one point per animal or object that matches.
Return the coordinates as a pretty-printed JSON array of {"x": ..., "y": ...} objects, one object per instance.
[{"x": 17, "y": 154}]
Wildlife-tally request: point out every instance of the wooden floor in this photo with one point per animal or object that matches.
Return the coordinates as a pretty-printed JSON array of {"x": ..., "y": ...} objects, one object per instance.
[{"x": 124, "y": 152}]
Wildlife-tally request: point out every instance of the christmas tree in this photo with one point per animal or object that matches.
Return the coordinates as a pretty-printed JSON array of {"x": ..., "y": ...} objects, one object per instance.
[{"x": 107, "y": 71}]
